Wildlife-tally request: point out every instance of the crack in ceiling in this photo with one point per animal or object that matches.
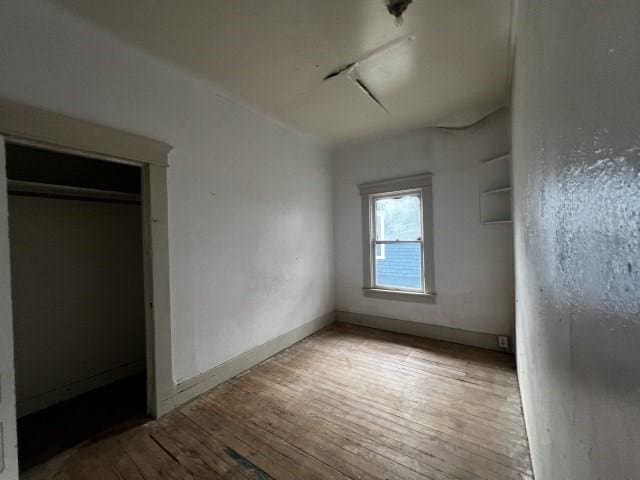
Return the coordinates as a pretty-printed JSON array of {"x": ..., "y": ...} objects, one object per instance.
[
  {"x": 338, "y": 71},
  {"x": 368, "y": 92},
  {"x": 350, "y": 70},
  {"x": 328, "y": 68}
]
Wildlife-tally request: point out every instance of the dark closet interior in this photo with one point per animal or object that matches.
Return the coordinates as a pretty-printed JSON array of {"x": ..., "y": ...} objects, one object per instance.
[{"x": 78, "y": 298}]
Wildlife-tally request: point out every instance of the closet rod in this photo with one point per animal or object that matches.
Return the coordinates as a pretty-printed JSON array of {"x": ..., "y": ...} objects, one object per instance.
[{"x": 22, "y": 187}]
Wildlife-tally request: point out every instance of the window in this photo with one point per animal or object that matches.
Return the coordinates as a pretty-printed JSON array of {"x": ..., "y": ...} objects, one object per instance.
[{"x": 397, "y": 233}]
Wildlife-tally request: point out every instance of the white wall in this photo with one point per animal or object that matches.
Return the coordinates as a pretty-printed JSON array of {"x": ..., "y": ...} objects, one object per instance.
[
  {"x": 249, "y": 200},
  {"x": 473, "y": 262},
  {"x": 78, "y": 299},
  {"x": 577, "y": 221}
]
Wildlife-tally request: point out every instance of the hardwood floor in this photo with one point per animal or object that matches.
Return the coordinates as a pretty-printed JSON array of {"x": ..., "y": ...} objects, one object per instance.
[{"x": 347, "y": 403}]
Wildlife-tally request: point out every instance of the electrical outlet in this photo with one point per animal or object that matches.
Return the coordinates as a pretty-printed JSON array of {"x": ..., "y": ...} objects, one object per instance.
[{"x": 503, "y": 341}]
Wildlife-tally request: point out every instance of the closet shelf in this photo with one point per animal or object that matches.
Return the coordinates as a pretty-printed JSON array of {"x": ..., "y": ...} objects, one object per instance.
[
  {"x": 496, "y": 190},
  {"x": 499, "y": 157},
  {"x": 493, "y": 222},
  {"x": 67, "y": 191}
]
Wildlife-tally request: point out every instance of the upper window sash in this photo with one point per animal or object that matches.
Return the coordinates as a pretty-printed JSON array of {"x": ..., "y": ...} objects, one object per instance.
[{"x": 373, "y": 220}]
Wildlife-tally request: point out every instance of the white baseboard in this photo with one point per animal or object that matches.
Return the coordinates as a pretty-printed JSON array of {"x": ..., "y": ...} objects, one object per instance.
[
  {"x": 192, "y": 387},
  {"x": 455, "y": 335},
  {"x": 65, "y": 392}
]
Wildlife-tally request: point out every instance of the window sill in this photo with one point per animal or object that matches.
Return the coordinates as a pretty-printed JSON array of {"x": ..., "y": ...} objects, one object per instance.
[{"x": 400, "y": 295}]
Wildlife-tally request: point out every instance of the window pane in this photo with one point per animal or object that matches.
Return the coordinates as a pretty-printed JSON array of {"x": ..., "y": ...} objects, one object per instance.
[
  {"x": 398, "y": 218},
  {"x": 400, "y": 267}
]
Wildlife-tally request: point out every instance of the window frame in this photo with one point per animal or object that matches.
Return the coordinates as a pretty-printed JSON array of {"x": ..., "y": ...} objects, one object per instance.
[
  {"x": 382, "y": 255},
  {"x": 373, "y": 198},
  {"x": 370, "y": 192}
]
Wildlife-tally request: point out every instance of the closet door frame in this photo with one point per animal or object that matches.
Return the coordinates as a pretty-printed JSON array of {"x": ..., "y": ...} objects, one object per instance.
[
  {"x": 22, "y": 124},
  {"x": 8, "y": 435}
]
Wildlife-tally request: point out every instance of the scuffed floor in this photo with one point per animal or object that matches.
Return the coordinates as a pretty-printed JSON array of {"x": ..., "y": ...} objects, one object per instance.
[{"x": 347, "y": 403}]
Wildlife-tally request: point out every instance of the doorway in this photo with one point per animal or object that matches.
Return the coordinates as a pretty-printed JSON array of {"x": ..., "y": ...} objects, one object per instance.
[
  {"x": 29, "y": 126},
  {"x": 77, "y": 272}
]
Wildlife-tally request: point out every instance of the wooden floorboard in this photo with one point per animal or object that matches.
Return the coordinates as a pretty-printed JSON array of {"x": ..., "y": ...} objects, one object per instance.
[{"x": 347, "y": 403}]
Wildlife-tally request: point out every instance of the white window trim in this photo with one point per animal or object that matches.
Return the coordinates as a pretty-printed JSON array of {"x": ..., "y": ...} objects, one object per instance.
[{"x": 369, "y": 192}]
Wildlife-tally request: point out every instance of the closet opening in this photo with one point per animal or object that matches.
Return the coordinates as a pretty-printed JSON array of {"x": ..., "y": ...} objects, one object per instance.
[{"x": 78, "y": 292}]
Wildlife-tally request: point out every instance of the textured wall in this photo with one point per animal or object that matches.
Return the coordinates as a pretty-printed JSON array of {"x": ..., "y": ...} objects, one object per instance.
[
  {"x": 473, "y": 262},
  {"x": 576, "y": 119}
]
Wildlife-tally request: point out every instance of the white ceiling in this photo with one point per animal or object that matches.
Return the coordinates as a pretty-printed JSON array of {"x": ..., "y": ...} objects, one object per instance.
[{"x": 447, "y": 64}]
